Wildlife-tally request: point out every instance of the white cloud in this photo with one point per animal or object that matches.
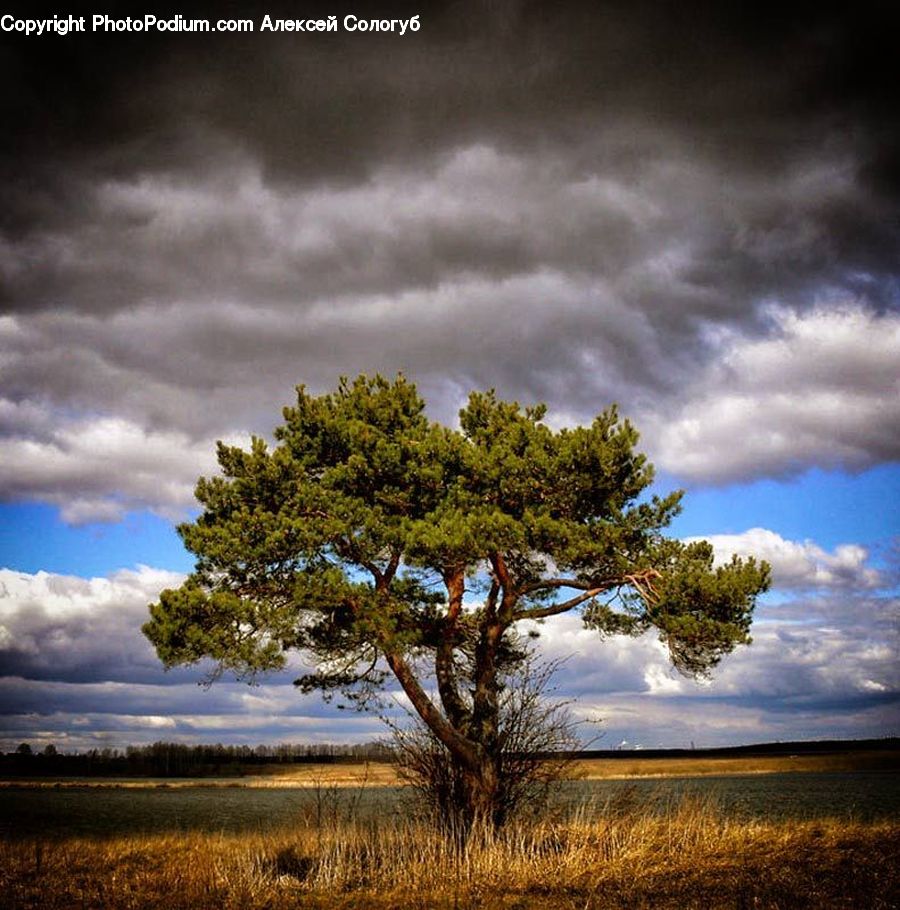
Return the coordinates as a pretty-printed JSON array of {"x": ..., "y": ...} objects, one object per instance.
[
  {"x": 822, "y": 389},
  {"x": 89, "y": 714},
  {"x": 132, "y": 425},
  {"x": 799, "y": 663},
  {"x": 97, "y": 468},
  {"x": 66, "y": 627},
  {"x": 75, "y": 669},
  {"x": 799, "y": 564},
  {"x": 800, "y": 678}
]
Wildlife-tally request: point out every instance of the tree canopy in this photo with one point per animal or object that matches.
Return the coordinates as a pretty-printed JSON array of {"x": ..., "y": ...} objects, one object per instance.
[{"x": 358, "y": 535}]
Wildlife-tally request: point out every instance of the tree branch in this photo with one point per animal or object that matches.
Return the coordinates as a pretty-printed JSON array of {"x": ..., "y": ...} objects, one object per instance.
[
  {"x": 550, "y": 583},
  {"x": 443, "y": 662},
  {"x": 460, "y": 746},
  {"x": 641, "y": 581},
  {"x": 392, "y": 565},
  {"x": 555, "y": 609},
  {"x": 501, "y": 572},
  {"x": 490, "y": 603}
]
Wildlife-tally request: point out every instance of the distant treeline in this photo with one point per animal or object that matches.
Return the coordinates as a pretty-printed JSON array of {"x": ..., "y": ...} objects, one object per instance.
[
  {"x": 163, "y": 759},
  {"x": 757, "y": 750}
]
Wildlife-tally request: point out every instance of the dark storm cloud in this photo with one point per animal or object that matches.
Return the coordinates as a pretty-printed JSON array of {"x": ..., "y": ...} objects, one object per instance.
[
  {"x": 576, "y": 204},
  {"x": 755, "y": 90},
  {"x": 608, "y": 89},
  {"x": 330, "y": 106}
]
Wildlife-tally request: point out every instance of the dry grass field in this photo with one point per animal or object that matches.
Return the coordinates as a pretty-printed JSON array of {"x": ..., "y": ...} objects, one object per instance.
[
  {"x": 625, "y": 855},
  {"x": 599, "y": 768},
  {"x": 689, "y": 858},
  {"x": 307, "y": 776}
]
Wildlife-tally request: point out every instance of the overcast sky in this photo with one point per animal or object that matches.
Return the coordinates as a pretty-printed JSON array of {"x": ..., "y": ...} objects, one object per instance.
[{"x": 694, "y": 213}]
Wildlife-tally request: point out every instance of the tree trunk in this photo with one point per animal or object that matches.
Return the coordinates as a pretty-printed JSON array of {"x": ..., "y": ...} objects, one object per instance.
[
  {"x": 466, "y": 785},
  {"x": 482, "y": 806}
]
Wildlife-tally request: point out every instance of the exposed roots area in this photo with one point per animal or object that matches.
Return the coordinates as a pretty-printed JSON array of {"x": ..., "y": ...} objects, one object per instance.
[{"x": 689, "y": 857}]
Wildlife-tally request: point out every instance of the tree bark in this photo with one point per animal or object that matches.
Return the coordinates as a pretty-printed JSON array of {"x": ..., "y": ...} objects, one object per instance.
[{"x": 483, "y": 807}]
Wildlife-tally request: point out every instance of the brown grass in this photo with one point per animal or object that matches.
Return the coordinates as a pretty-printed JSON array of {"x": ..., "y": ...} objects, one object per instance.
[
  {"x": 691, "y": 856},
  {"x": 598, "y": 768},
  {"x": 303, "y": 776}
]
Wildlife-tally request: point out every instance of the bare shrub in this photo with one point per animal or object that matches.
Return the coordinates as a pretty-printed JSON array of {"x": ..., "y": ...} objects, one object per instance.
[{"x": 539, "y": 740}]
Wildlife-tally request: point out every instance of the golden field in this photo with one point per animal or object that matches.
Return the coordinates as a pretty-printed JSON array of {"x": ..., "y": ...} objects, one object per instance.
[
  {"x": 600, "y": 768},
  {"x": 691, "y": 856}
]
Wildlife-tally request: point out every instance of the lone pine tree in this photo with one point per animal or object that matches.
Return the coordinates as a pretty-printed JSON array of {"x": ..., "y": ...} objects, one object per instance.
[{"x": 356, "y": 538}]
